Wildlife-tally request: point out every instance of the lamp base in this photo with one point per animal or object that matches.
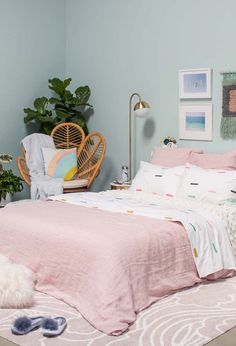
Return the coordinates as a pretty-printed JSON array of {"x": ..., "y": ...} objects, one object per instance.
[{"x": 117, "y": 185}]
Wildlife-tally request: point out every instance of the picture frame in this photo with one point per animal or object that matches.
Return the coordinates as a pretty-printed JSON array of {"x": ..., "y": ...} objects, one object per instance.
[
  {"x": 195, "y": 121},
  {"x": 195, "y": 83}
]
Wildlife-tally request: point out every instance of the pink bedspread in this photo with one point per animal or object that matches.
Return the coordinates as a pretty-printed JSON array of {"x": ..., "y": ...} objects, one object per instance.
[{"x": 107, "y": 265}]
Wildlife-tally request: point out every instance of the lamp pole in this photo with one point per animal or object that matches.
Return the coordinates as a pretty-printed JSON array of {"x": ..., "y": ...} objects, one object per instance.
[
  {"x": 130, "y": 133},
  {"x": 141, "y": 109}
]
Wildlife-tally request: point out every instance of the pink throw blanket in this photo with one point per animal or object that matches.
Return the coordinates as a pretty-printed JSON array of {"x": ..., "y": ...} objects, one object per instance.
[{"x": 107, "y": 265}]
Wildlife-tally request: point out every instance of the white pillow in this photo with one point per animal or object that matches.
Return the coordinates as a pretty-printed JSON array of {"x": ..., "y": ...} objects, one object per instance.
[
  {"x": 212, "y": 185},
  {"x": 157, "y": 179}
]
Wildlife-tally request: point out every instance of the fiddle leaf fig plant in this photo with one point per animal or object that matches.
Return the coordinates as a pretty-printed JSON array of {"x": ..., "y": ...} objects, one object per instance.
[
  {"x": 9, "y": 182},
  {"x": 63, "y": 106},
  {"x": 40, "y": 114}
]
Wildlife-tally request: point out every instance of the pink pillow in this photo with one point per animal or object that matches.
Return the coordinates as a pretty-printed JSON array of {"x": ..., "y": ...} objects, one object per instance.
[
  {"x": 169, "y": 157},
  {"x": 222, "y": 161}
]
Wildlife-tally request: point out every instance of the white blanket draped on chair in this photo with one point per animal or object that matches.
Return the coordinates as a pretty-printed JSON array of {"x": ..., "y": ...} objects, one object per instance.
[{"x": 42, "y": 185}]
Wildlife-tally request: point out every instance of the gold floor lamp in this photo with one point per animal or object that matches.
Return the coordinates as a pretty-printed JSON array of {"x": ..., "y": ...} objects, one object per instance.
[{"x": 141, "y": 110}]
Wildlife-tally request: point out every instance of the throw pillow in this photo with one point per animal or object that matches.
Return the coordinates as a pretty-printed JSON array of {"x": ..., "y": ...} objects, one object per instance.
[
  {"x": 157, "y": 179},
  {"x": 60, "y": 163},
  {"x": 211, "y": 185},
  {"x": 172, "y": 157}
]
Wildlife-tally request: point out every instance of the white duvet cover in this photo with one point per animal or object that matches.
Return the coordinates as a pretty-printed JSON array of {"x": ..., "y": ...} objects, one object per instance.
[{"x": 206, "y": 229}]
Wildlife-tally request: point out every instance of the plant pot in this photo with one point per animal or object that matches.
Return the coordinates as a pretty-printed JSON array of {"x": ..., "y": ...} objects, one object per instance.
[{"x": 3, "y": 201}]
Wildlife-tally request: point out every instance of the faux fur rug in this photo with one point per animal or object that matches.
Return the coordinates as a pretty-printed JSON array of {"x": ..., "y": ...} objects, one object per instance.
[
  {"x": 16, "y": 284},
  {"x": 191, "y": 317}
]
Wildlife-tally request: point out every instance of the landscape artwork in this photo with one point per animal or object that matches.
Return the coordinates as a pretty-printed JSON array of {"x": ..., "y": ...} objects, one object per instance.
[{"x": 195, "y": 121}]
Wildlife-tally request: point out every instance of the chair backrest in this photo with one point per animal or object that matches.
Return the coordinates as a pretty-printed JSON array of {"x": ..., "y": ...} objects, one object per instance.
[{"x": 67, "y": 135}]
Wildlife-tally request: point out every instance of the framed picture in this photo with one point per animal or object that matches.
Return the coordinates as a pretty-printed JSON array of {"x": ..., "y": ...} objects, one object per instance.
[
  {"x": 195, "y": 121},
  {"x": 195, "y": 84}
]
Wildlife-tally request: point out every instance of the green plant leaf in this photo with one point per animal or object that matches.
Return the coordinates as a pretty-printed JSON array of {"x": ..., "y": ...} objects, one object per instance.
[
  {"x": 82, "y": 94},
  {"x": 66, "y": 106},
  {"x": 59, "y": 86},
  {"x": 40, "y": 104},
  {"x": 81, "y": 122},
  {"x": 31, "y": 115},
  {"x": 45, "y": 119},
  {"x": 78, "y": 115},
  {"x": 55, "y": 101},
  {"x": 77, "y": 103},
  {"x": 46, "y": 128},
  {"x": 30, "y": 111},
  {"x": 9, "y": 183},
  {"x": 29, "y": 118},
  {"x": 68, "y": 96},
  {"x": 62, "y": 114},
  {"x": 86, "y": 130}
]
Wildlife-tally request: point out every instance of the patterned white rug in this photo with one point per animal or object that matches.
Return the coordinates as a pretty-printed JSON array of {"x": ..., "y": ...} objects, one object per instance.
[{"x": 191, "y": 317}]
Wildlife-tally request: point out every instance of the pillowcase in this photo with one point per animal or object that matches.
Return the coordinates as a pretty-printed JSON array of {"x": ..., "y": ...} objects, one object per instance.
[
  {"x": 157, "y": 179},
  {"x": 60, "y": 163},
  {"x": 211, "y": 185},
  {"x": 223, "y": 161},
  {"x": 172, "y": 157}
]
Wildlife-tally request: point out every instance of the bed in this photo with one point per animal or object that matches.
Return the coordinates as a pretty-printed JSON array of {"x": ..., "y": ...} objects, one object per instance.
[{"x": 112, "y": 254}]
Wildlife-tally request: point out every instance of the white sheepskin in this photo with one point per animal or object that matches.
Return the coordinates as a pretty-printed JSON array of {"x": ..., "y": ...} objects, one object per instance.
[{"x": 16, "y": 285}]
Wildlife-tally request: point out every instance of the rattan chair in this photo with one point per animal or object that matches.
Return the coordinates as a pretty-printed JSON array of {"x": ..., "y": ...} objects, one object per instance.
[{"x": 90, "y": 154}]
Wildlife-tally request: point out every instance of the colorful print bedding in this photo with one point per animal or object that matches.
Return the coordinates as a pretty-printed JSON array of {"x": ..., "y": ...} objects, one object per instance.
[
  {"x": 108, "y": 265},
  {"x": 209, "y": 240}
]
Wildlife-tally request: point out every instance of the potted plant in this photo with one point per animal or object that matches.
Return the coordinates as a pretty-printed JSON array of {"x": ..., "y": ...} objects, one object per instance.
[
  {"x": 64, "y": 106},
  {"x": 9, "y": 182}
]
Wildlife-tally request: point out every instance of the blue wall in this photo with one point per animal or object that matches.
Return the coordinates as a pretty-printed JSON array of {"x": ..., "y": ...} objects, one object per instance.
[
  {"x": 119, "y": 47},
  {"x": 32, "y": 40}
]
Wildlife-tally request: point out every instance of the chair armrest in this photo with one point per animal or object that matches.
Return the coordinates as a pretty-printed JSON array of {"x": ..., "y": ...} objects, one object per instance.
[
  {"x": 90, "y": 156},
  {"x": 24, "y": 171}
]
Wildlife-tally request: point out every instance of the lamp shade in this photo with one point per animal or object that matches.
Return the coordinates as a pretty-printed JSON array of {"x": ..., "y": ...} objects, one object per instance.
[{"x": 141, "y": 109}]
